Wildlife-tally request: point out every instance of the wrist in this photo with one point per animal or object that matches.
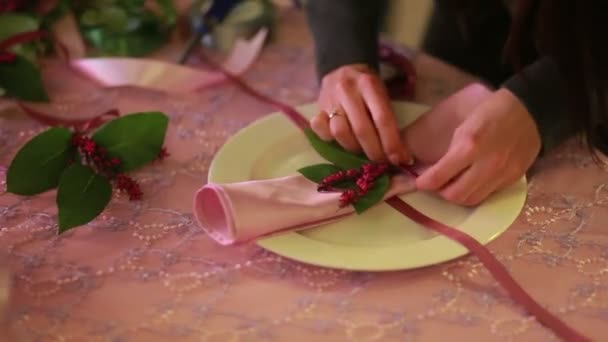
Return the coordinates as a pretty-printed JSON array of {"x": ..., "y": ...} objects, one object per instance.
[{"x": 517, "y": 106}]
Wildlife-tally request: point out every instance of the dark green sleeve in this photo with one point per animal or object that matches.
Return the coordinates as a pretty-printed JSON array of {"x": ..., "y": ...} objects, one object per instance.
[
  {"x": 344, "y": 32},
  {"x": 542, "y": 90}
]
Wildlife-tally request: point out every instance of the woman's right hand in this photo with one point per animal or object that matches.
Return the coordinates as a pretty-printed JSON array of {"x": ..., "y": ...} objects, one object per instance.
[
  {"x": 478, "y": 141},
  {"x": 362, "y": 118}
]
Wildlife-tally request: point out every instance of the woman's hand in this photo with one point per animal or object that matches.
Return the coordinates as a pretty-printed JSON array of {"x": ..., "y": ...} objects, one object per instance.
[
  {"x": 482, "y": 141},
  {"x": 362, "y": 116}
]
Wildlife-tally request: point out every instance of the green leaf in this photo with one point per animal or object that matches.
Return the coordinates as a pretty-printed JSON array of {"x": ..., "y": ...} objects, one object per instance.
[
  {"x": 126, "y": 28},
  {"x": 135, "y": 44},
  {"x": 114, "y": 18},
  {"x": 374, "y": 196},
  {"x": 22, "y": 79},
  {"x": 38, "y": 166},
  {"x": 317, "y": 173},
  {"x": 131, "y": 5},
  {"x": 11, "y": 24},
  {"x": 169, "y": 10},
  {"x": 334, "y": 153},
  {"x": 81, "y": 197},
  {"x": 90, "y": 17},
  {"x": 136, "y": 139}
]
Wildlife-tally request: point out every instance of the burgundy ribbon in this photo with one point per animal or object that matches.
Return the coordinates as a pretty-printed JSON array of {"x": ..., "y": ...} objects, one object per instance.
[
  {"x": 79, "y": 125},
  {"x": 403, "y": 84},
  {"x": 20, "y": 38},
  {"x": 498, "y": 271}
]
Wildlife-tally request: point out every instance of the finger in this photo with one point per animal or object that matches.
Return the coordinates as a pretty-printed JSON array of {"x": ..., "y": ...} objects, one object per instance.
[
  {"x": 507, "y": 182},
  {"x": 458, "y": 158},
  {"x": 341, "y": 131},
  {"x": 320, "y": 125},
  {"x": 496, "y": 185},
  {"x": 476, "y": 183},
  {"x": 360, "y": 122},
  {"x": 482, "y": 193},
  {"x": 384, "y": 119},
  {"x": 481, "y": 178},
  {"x": 497, "y": 174},
  {"x": 511, "y": 178}
]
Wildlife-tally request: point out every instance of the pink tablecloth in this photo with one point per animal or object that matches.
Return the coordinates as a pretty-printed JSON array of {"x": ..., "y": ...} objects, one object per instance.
[{"x": 143, "y": 271}]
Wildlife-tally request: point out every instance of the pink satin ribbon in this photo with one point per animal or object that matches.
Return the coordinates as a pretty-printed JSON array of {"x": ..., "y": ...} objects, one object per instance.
[
  {"x": 498, "y": 271},
  {"x": 164, "y": 76},
  {"x": 117, "y": 72}
]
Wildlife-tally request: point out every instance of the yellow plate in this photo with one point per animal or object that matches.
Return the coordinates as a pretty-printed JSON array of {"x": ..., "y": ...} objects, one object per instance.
[{"x": 381, "y": 239}]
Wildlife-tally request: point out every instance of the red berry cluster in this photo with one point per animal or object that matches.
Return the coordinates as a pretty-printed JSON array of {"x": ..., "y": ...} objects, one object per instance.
[
  {"x": 163, "y": 154},
  {"x": 365, "y": 178},
  {"x": 128, "y": 185},
  {"x": 329, "y": 182},
  {"x": 97, "y": 157}
]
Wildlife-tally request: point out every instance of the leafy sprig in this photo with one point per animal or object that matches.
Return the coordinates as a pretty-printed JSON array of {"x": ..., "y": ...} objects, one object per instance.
[
  {"x": 57, "y": 158},
  {"x": 347, "y": 174}
]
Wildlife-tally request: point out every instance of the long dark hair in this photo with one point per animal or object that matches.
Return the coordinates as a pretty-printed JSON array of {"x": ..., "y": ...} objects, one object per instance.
[{"x": 573, "y": 33}]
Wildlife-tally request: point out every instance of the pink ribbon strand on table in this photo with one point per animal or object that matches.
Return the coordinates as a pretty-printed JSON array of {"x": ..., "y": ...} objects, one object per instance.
[
  {"x": 496, "y": 269},
  {"x": 91, "y": 120},
  {"x": 164, "y": 76},
  {"x": 117, "y": 72}
]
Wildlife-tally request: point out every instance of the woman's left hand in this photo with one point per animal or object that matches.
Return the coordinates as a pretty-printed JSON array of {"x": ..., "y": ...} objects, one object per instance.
[{"x": 492, "y": 142}]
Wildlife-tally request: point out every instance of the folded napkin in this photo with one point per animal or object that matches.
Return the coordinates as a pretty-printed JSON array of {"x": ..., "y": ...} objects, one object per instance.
[{"x": 238, "y": 212}]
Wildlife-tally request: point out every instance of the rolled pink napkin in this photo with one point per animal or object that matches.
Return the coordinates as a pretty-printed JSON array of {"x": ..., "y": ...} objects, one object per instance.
[{"x": 238, "y": 212}]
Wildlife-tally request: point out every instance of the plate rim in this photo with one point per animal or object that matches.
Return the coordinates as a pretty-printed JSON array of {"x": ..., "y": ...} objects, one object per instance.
[{"x": 289, "y": 244}]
